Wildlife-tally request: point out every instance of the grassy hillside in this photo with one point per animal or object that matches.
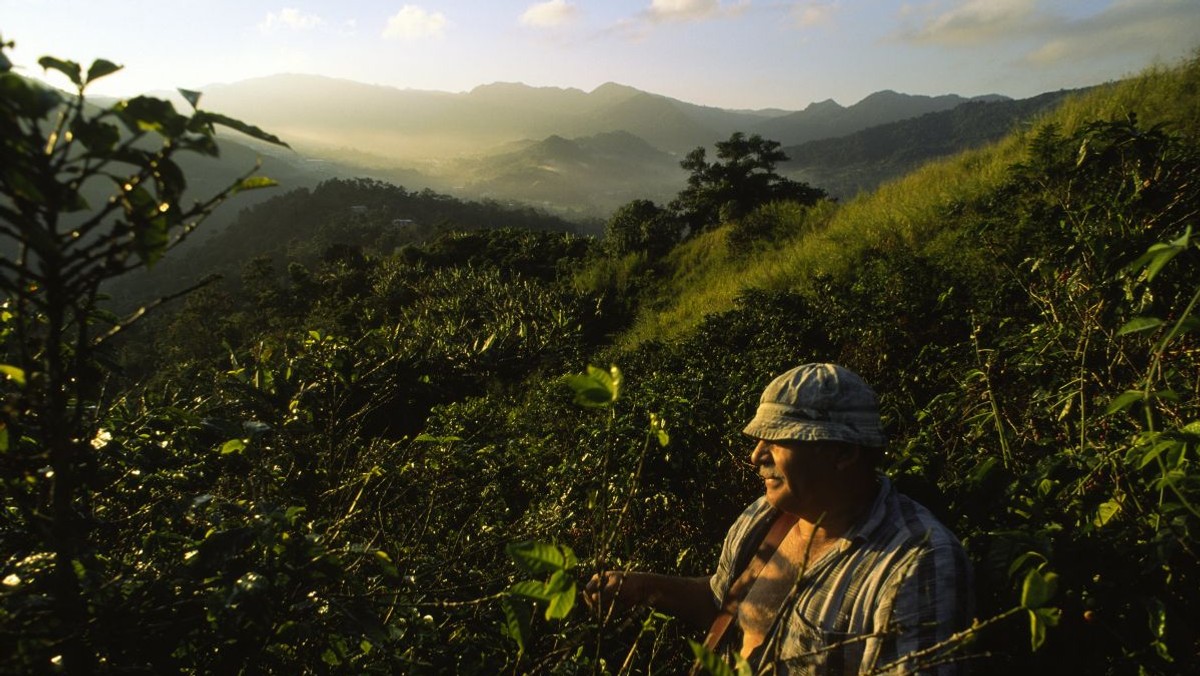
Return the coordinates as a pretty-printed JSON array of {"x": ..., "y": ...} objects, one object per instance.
[{"x": 911, "y": 212}]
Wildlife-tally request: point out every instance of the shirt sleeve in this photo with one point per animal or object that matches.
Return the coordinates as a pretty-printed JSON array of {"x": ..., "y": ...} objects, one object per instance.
[{"x": 727, "y": 565}]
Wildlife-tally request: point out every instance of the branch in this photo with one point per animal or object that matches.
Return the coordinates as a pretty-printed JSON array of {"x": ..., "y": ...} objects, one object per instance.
[{"x": 141, "y": 312}]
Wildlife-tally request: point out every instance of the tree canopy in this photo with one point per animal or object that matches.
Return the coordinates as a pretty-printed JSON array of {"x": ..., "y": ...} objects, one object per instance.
[{"x": 742, "y": 178}]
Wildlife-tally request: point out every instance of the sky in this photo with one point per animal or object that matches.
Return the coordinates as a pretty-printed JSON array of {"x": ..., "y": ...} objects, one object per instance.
[{"x": 743, "y": 54}]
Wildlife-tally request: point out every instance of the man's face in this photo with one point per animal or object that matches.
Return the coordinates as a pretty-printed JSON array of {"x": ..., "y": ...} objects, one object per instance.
[{"x": 795, "y": 474}]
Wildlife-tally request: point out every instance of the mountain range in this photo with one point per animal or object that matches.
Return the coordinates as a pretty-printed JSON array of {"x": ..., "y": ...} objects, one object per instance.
[{"x": 577, "y": 152}]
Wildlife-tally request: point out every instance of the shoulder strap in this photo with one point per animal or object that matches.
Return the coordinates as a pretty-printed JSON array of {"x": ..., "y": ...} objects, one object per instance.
[{"x": 740, "y": 587}]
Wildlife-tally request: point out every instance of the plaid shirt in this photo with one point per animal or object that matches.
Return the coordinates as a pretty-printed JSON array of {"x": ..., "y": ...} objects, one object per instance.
[{"x": 897, "y": 582}]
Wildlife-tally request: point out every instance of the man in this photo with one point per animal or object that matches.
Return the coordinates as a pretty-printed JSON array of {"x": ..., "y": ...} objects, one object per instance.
[{"x": 831, "y": 571}]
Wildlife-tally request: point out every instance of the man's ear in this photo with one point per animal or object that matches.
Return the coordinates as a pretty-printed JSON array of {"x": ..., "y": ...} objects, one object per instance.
[{"x": 847, "y": 456}]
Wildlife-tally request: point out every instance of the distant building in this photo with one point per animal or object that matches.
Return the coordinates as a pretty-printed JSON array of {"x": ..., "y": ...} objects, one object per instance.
[{"x": 403, "y": 222}]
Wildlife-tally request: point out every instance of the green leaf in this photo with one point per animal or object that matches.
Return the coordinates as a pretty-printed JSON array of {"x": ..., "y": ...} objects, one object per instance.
[
  {"x": 540, "y": 557},
  {"x": 1124, "y": 401},
  {"x": 1039, "y": 621},
  {"x": 1158, "y": 255},
  {"x": 233, "y": 446},
  {"x": 101, "y": 68},
  {"x": 237, "y": 125},
  {"x": 98, "y": 137},
  {"x": 597, "y": 388},
  {"x": 710, "y": 661},
  {"x": 1038, "y": 588},
  {"x": 68, "y": 68},
  {"x": 1139, "y": 324},
  {"x": 3, "y": 438},
  {"x": 530, "y": 589},
  {"x": 1020, "y": 562},
  {"x": 516, "y": 623},
  {"x": 14, "y": 374},
  {"x": 1160, "y": 448},
  {"x": 561, "y": 603},
  {"x": 254, "y": 183},
  {"x": 146, "y": 113},
  {"x": 191, "y": 96},
  {"x": 1105, "y": 513}
]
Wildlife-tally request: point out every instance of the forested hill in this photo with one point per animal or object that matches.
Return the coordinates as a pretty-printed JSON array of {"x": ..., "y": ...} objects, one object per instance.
[
  {"x": 301, "y": 225},
  {"x": 367, "y": 459},
  {"x": 860, "y": 161}
]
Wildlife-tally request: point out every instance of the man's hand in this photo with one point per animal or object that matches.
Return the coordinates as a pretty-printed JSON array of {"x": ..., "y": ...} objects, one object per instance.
[{"x": 613, "y": 587}]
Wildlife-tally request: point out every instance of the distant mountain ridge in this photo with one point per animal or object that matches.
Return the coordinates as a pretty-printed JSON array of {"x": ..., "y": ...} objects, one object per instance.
[
  {"x": 862, "y": 160},
  {"x": 419, "y": 124},
  {"x": 827, "y": 119},
  {"x": 565, "y": 149}
]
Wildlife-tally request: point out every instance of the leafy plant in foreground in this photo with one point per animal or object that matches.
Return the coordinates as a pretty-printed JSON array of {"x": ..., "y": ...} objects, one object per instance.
[{"x": 60, "y": 244}]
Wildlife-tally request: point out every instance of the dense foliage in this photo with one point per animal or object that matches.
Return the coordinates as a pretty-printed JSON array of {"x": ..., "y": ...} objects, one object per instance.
[{"x": 375, "y": 456}]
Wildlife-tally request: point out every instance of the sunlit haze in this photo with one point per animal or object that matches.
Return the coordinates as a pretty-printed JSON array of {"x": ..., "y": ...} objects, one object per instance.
[{"x": 731, "y": 53}]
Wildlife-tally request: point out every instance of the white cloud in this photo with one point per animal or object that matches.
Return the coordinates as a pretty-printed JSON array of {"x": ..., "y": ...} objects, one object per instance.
[
  {"x": 1163, "y": 29},
  {"x": 291, "y": 18},
  {"x": 413, "y": 23},
  {"x": 684, "y": 9},
  {"x": 978, "y": 21},
  {"x": 549, "y": 14},
  {"x": 811, "y": 14},
  {"x": 1140, "y": 30},
  {"x": 693, "y": 10}
]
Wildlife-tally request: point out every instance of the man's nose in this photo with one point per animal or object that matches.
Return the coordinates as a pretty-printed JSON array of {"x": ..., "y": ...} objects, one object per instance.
[{"x": 759, "y": 453}]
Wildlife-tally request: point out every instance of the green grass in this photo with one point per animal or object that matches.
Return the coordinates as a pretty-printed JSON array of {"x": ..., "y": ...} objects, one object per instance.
[{"x": 704, "y": 278}]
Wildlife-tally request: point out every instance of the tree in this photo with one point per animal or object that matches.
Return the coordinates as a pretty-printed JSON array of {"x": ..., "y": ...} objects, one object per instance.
[
  {"x": 641, "y": 225},
  {"x": 742, "y": 178},
  {"x": 59, "y": 244}
]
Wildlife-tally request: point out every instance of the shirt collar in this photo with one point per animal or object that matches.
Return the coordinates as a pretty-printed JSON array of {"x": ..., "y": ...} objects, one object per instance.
[{"x": 862, "y": 531}]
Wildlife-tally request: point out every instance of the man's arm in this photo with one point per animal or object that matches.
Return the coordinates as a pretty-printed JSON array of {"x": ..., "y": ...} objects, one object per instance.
[{"x": 687, "y": 598}]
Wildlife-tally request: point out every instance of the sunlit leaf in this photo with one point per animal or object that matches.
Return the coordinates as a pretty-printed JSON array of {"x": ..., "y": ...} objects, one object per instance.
[
  {"x": 1139, "y": 324},
  {"x": 101, "y": 68},
  {"x": 191, "y": 96},
  {"x": 254, "y": 183},
  {"x": 69, "y": 68},
  {"x": 146, "y": 113},
  {"x": 541, "y": 557},
  {"x": 1040, "y": 621},
  {"x": 1160, "y": 254},
  {"x": 233, "y": 446},
  {"x": 1124, "y": 401},
  {"x": 1156, "y": 451},
  {"x": 13, "y": 373},
  {"x": 1038, "y": 588},
  {"x": 596, "y": 388},
  {"x": 1105, "y": 513},
  {"x": 237, "y": 125},
  {"x": 561, "y": 603}
]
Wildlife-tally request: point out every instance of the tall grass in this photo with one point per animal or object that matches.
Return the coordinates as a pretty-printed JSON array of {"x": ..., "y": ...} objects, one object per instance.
[{"x": 908, "y": 212}]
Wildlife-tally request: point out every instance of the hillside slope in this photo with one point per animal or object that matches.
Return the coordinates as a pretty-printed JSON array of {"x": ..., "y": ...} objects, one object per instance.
[
  {"x": 857, "y": 162},
  {"x": 909, "y": 211}
]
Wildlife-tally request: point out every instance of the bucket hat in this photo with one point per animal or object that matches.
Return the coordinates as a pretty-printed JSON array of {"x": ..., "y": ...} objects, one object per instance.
[{"x": 819, "y": 402}]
